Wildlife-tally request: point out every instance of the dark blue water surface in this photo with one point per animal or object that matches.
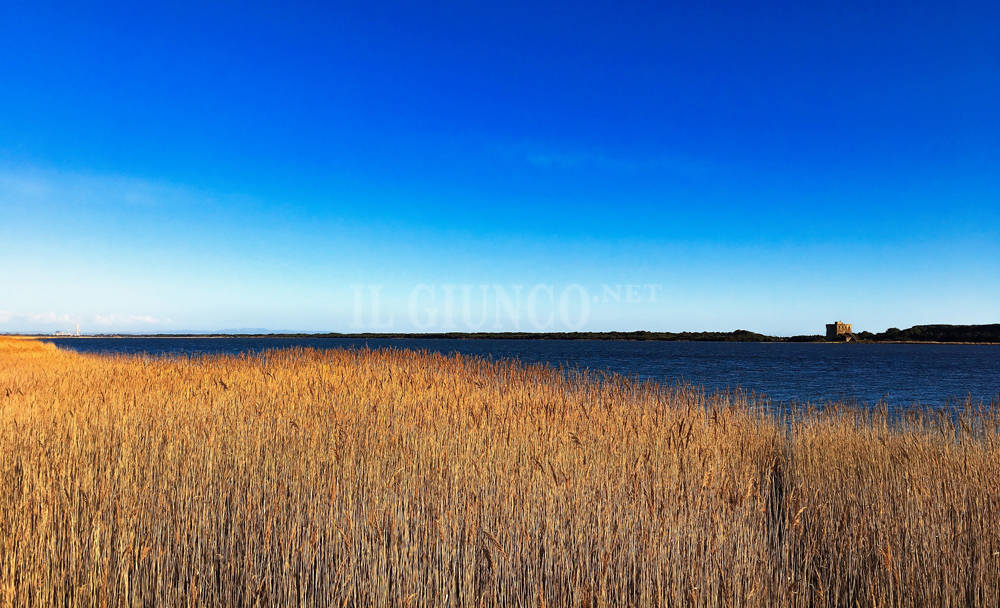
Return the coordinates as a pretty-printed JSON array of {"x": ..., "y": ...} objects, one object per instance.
[{"x": 896, "y": 374}]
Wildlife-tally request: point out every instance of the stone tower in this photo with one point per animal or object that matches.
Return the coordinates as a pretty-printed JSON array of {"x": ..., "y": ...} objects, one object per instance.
[{"x": 838, "y": 329}]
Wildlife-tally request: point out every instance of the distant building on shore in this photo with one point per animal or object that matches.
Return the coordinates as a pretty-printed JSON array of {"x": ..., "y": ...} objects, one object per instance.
[
  {"x": 839, "y": 330},
  {"x": 69, "y": 333}
]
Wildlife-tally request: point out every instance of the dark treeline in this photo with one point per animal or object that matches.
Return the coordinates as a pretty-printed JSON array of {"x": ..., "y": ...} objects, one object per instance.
[{"x": 937, "y": 333}]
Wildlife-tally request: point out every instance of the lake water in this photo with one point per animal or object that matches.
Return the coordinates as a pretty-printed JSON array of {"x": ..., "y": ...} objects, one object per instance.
[{"x": 898, "y": 374}]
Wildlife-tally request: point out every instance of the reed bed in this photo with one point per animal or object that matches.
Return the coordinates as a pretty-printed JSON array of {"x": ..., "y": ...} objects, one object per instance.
[{"x": 396, "y": 478}]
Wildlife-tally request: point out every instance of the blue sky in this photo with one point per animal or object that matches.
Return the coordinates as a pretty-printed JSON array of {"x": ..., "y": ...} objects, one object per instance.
[{"x": 349, "y": 167}]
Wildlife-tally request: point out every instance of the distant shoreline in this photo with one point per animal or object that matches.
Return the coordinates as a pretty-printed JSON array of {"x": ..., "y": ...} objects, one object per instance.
[{"x": 991, "y": 333}]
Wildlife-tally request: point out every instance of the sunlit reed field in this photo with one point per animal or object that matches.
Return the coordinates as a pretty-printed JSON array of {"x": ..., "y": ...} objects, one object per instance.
[{"x": 394, "y": 478}]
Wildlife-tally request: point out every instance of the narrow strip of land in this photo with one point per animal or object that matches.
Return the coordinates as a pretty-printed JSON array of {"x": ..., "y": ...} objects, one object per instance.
[{"x": 918, "y": 334}]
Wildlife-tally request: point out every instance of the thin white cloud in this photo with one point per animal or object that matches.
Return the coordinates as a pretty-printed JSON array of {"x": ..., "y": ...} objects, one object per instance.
[
  {"x": 124, "y": 320},
  {"x": 46, "y": 321},
  {"x": 30, "y": 186},
  {"x": 48, "y": 318}
]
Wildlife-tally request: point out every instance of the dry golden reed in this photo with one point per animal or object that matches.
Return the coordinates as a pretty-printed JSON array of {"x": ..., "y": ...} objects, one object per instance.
[{"x": 395, "y": 478}]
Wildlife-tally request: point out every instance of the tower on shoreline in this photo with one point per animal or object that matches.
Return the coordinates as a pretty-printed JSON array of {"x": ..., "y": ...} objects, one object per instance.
[{"x": 838, "y": 330}]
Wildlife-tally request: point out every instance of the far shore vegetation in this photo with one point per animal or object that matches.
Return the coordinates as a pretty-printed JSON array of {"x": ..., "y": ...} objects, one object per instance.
[{"x": 962, "y": 334}]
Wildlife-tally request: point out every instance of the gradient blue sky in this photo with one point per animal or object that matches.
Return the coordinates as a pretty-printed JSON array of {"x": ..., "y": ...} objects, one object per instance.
[{"x": 768, "y": 167}]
